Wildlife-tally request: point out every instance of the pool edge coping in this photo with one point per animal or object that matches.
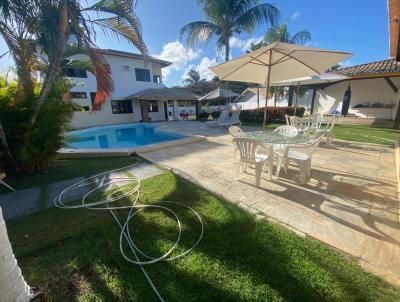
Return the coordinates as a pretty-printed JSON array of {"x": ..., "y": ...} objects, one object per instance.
[{"x": 67, "y": 153}]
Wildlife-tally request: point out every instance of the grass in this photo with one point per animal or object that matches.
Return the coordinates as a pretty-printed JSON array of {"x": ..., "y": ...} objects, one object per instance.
[
  {"x": 73, "y": 255},
  {"x": 365, "y": 134}
]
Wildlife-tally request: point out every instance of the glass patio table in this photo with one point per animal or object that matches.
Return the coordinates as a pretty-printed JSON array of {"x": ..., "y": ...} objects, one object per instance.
[{"x": 272, "y": 138}]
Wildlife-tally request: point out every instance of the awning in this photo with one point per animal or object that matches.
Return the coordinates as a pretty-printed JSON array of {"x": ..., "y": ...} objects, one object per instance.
[
  {"x": 219, "y": 93},
  {"x": 312, "y": 80},
  {"x": 164, "y": 94}
]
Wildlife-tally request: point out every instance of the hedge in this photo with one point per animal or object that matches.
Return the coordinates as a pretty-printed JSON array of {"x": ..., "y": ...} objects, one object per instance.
[{"x": 274, "y": 114}]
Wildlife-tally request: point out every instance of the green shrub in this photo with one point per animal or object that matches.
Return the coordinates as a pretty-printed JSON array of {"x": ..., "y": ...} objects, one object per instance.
[
  {"x": 204, "y": 115},
  {"x": 215, "y": 114},
  {"x": 33, "y": 147},
  {"x": 274, "y": 114}
]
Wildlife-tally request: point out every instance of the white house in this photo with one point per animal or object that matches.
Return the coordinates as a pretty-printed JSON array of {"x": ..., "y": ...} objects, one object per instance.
[
  {"x": 252, "y": 98},
  {"x": 131, "y": 74}
]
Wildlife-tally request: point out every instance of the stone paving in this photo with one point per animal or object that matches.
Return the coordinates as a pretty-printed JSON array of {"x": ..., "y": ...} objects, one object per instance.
[
  {"x": 24, "y": 202},
  {"x": 350, "y": 202}
]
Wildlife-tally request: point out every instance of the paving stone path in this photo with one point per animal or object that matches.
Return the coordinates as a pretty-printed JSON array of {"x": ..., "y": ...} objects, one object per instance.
[{"x": 24, "y": 202}]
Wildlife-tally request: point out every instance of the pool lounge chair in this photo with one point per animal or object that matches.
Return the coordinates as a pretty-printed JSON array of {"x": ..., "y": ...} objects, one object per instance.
[
  {"x": 234, "y": 120},
  {"x": 223, "y": 118}
]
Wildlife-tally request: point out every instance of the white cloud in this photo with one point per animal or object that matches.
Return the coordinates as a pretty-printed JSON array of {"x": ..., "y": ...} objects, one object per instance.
[
  {"x": 202, "y": 68},
  {"x": 178, "y": 55},
  {"x": 243, "y": 45},
  {"x": 295, "y": 15}
]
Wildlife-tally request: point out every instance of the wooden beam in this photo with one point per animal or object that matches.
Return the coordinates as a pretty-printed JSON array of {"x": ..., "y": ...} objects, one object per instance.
[{"x": 391, "y": 84}]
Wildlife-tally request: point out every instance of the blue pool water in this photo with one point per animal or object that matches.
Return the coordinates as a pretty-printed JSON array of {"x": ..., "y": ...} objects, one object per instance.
[{"x": 118, "y": 136}]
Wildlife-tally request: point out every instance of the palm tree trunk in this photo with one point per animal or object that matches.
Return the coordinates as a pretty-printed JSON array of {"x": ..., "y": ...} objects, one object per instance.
[
  {"x": 4, "y": 143},
  {"x": 227, "y": 49},
  {"x": 54, "y": 62}
]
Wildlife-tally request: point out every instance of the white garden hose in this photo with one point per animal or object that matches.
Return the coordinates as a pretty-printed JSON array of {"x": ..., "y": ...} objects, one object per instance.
[{"x": 103, "y": 181}]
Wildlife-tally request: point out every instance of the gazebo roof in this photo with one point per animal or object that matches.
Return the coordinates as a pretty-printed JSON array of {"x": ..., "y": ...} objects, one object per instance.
[
  {"x": 164, "y": 94},
  {"x": 219, "y": 93}
]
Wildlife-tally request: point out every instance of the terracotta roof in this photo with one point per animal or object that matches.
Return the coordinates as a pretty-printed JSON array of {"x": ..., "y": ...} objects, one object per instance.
[
  {"x": 369, "y": 69},
  {"x": 394, "y": 28},
  {"x": 132, "y": 55}
]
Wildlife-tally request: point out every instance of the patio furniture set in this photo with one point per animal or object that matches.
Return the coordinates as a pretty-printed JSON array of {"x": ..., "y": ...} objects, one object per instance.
[{"x": 295, "y": 142}]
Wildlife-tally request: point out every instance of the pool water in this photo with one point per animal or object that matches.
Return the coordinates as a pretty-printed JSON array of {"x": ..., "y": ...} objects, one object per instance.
[{"x": 118, "y": 136}]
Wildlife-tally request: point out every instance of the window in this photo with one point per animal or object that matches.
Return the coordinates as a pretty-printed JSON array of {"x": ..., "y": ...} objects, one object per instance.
[
  {"x": 152, "y": 107},
  {"x": 72, "y": 72},
  {"x": 125, "y": 68},
  {"x": 121, "y": 106},
  {"x": 186, "y": 103},
  {"x": 157, "y": 79},
  {"x": 78, "y": 95},
  {"x": 142, "y": 75}
]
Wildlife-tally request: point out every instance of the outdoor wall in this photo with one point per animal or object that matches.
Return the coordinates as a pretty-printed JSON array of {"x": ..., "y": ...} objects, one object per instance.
[
  {"x": 125, "y": 84},
  {"x": 160, "y": 115},
  {"x": 363, "y": 91}
]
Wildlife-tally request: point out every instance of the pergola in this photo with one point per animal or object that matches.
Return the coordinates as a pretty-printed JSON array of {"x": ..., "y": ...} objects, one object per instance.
[{"x": 161, "y": 94}]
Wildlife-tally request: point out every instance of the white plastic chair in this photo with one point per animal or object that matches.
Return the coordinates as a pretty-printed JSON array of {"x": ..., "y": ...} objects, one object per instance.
[
  {"x": 316, "y": 121},
  {"x": 253, "y": 152},
  {"x": 287, "y": 131},
  {"x": 301, "y": 124},
  {"x": 301, "y": 155},
  {"x": 327, "y": 131},
  {"x": 287, "y": 119},
  {"x": 223, "y": 118},
  {"x": 235, "y": 131}
]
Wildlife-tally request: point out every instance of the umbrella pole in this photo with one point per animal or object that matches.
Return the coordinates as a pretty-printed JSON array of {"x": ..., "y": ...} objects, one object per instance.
[{"x": 267, "y": 89}]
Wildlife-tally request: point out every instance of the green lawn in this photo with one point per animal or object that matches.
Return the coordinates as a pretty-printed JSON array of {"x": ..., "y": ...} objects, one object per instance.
[
  {"x": 365, "y": 134},
  {"x": 73, "y": 255}
]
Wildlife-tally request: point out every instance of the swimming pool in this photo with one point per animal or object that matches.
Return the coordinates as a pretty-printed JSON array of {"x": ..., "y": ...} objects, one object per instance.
[{"x": 118, "y": 136}]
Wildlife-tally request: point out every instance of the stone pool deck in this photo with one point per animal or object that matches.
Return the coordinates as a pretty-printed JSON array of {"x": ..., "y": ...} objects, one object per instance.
[{"x": 350, "y": 202}]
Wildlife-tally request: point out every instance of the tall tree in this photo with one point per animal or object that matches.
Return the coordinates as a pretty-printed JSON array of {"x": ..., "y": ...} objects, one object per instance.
[
  {"x": 52, "y": 23},
  {"x": 26, "y": 25},
  {"x": 281, "y": 34},
  {"x": 226, "y": 18},
  {"x": 192, "y": 77}
]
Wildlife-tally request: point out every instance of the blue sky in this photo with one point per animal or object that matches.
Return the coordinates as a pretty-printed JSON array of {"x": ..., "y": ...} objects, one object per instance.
[{"x": 356, "y": 26}]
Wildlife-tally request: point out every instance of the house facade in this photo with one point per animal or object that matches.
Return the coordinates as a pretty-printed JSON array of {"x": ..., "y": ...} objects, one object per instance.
[{"x": 131, "y": 74}]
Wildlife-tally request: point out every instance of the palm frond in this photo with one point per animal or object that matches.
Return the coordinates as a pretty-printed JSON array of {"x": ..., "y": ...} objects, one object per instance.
[
  {"x": 199, "y": 32},
  {"x": 257, "y": 15},
  {"x": 302, "y": 37},
  {"x": 102, "y": 72},
  {"x": 124, "y": 29},
  {"x": 124, "y": 21}
]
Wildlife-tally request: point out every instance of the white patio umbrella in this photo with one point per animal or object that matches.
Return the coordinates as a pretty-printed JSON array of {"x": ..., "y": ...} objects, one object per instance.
[{"x": 278, "y": 62}]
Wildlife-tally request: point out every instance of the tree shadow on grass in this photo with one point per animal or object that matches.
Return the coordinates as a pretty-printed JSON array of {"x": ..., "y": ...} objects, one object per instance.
[{"x": 239, "y": 259}]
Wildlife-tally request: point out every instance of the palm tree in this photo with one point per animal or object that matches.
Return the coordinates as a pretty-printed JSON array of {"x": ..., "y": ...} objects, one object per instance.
[
  {"x": 225, "y": 18},
  {"x": 281, "y": 34},
  {"x": 51, "y": 23},
  {"x": 26, "y": 24},
  {"x": 192, "y": 77}
]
